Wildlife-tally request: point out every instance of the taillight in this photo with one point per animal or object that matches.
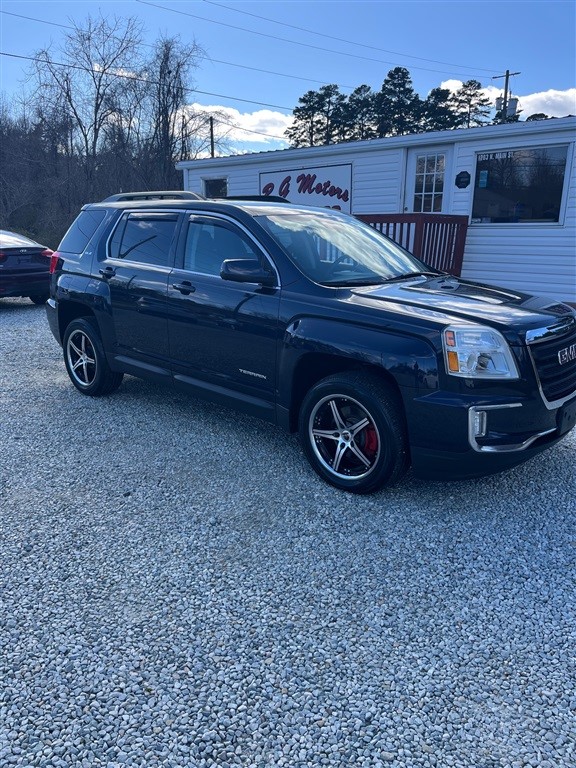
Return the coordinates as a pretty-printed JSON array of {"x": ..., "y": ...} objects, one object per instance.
[
  {"x": 3, "y": 256},
  {"x": 47, "y": 252},
  {"x": 54, "y": 258}
]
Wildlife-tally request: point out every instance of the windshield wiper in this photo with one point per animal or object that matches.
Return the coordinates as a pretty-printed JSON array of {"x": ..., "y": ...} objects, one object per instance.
[
  {"x": 406, "y": 275},
  {"x": 356, "y": 281}
]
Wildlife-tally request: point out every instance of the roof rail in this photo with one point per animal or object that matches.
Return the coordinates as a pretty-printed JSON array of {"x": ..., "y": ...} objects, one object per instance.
[
  {"x": 177, "y": 194},
  {"x": 264, "y": 198}
]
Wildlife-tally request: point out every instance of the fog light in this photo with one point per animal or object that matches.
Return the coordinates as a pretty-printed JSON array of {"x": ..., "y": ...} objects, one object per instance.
[{"x": 479, "y": 423}]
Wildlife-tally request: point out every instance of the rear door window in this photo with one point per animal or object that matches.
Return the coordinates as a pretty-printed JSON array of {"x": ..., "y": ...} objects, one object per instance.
[{"x": 146, "y": 238}]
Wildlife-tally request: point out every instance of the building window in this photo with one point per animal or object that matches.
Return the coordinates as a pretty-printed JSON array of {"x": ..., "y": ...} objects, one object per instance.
[
  {"x": 520, "y": 185},
  {"x": 429, "y": 183},
  {"x": 216, "y": 187}
]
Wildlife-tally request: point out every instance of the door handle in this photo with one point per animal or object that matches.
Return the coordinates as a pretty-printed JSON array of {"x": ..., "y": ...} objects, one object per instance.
[
  {"x": 108, "y": 272},
  {"x": 184, "y": 287}
]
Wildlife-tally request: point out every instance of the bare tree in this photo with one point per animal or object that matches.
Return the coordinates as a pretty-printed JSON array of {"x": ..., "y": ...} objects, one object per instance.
[
  {"x": 202, "y": 132},
  {"x": 172, "y": 124},
  {"x": 86, "y": 79}
]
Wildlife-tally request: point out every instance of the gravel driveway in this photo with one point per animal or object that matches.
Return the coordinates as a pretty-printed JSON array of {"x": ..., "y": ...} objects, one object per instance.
[{"x": 178, "y": 588}]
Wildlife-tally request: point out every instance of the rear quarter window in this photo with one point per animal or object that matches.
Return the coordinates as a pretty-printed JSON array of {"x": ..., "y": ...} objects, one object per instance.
[{"x": 81, "y": 231}]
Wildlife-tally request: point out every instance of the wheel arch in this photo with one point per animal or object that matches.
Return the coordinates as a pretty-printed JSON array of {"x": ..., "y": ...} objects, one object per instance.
[
  {"x": 72, "y": 310},
  {"x": 313, "y": 367},
  {"x": 315, "y": 348}
]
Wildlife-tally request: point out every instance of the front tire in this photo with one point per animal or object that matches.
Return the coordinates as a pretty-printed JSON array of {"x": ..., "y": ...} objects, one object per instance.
[
  {"x": 85, "y": 359},
  {"x": 353, "y": 432}
]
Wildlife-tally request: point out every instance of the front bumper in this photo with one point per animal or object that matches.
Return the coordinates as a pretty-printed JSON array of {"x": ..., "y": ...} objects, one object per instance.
[{"x": 459, "y": 437}]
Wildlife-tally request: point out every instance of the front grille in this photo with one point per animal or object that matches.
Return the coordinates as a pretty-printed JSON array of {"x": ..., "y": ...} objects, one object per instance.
[{"x": 557, "y": 381}]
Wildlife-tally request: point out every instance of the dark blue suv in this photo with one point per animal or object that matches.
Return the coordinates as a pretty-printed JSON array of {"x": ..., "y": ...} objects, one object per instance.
[{"x": 314, "y": 321}]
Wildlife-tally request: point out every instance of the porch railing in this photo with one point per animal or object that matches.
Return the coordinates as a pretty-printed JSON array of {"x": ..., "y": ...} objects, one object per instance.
[{"x": 435, "y": 238}]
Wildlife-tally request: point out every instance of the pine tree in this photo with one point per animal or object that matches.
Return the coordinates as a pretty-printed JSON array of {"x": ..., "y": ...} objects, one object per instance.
[
  {"x": 318, "y": 119},
  {"x": 397, "y": 105},
  {"x": 359, "y": 114},
  {"x": 438, "y": 111},
  {"x": 471, "y": 104}
]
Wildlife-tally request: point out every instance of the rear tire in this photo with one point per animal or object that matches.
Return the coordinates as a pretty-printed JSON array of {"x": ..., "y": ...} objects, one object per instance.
[
  {"x": 353, "y": 432},
  {"x": 85, "y": 359}
]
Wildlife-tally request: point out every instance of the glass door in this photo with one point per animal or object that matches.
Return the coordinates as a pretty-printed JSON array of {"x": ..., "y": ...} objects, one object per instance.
[{"x": 425, "y": 181}]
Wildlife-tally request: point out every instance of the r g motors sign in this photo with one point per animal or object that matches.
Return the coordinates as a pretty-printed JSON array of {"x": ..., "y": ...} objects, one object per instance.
[{"x": 327, "y": 187}]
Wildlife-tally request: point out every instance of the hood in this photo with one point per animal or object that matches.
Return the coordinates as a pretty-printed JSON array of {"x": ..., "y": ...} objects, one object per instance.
[{"x": 449, "y": 299}]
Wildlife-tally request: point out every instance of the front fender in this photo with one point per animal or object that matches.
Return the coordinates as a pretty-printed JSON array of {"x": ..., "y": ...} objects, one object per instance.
[{"x": 411, "y": 361}]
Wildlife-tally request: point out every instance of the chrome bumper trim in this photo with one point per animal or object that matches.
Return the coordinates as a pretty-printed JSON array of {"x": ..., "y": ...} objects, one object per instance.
[{"x": 509, "y": 448}]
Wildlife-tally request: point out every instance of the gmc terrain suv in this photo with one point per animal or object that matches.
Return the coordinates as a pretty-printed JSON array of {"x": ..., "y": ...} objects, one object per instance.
[{"x": 312, "y": 320}]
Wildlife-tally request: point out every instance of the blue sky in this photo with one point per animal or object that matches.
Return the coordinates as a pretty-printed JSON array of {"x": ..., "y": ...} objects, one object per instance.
[{"x": 262, "y": 56}]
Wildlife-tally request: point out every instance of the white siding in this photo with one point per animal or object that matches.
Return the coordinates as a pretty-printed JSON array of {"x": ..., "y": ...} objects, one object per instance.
[
  {"x": 536, "y": 258},
  {"x": 377, "y": 181}
]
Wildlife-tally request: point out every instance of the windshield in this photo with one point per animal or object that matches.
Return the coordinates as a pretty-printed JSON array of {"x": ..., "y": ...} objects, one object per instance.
[{"x": 339, "y": 250}]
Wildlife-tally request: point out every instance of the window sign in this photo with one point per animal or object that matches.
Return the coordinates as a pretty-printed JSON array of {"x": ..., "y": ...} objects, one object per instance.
[
  {"x": 521, "y": 185},
  {"x": 328, "y": 187}
]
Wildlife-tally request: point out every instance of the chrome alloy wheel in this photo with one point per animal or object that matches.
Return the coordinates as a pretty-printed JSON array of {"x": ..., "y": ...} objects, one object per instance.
[
  {"x": 81, "y": 358},
  {"x": 344, "y": 436}
]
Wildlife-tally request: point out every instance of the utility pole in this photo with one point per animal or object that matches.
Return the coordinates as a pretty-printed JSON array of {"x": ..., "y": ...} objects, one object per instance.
[
  {"x": 506, "y": 77},
  {"x": 211, "y": 136}
]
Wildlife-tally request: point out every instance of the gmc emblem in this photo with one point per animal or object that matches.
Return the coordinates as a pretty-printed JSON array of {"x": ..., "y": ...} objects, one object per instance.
[{"x": 567, "y": 354}]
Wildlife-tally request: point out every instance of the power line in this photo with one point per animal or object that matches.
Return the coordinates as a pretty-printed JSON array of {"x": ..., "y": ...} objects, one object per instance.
[
  {"x": 42, "y": 21},
  {"x": 207, "y": 58},
  {"x": 293, "y": 42},
  {"x": 144, "y": 80},
  {"x": 277, "y": 74},
  {"x": 153, "y": 82},
  {"x": 198, "y": 91},
  {"x": 248, "y": 130},
  {"x": 343, "y": 39}
]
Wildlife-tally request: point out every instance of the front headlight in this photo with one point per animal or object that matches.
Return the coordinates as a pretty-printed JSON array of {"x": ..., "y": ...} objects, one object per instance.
[{"x": 477, "y": 352}]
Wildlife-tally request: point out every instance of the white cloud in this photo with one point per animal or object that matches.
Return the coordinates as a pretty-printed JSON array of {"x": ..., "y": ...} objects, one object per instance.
[
  {"x": 261, "y": 127},
  {"x": 452, "y": 85},
  {"x": 491, "y": 91},
  {"x": 552, "y": 103}
]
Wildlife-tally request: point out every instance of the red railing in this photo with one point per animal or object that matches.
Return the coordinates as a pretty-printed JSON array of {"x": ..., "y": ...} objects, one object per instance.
[{"x": 435, "y": 238}]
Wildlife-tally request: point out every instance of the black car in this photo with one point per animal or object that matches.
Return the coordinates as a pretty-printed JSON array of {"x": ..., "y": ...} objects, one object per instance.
[
  {"x": 24, "y": 267},
  {"x": 313, "y": 320}
]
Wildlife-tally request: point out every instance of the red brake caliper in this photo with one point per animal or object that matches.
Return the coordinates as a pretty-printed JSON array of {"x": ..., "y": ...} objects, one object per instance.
[{"x": 370, "y": 441}]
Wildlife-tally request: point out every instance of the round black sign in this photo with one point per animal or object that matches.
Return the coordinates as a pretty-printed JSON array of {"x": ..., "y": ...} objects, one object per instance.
[{"x": 463, "y": 180}]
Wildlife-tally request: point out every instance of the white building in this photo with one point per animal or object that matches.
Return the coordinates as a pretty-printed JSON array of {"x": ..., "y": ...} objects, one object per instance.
[{"x": 516, "y": 183}]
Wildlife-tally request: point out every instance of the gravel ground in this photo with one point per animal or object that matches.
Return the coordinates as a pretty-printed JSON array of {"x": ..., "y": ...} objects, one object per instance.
[{"x": 179, "y": 589}]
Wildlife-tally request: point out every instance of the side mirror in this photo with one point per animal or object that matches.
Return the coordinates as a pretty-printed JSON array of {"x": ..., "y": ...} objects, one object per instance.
[{"x": 246, "y": 271}]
